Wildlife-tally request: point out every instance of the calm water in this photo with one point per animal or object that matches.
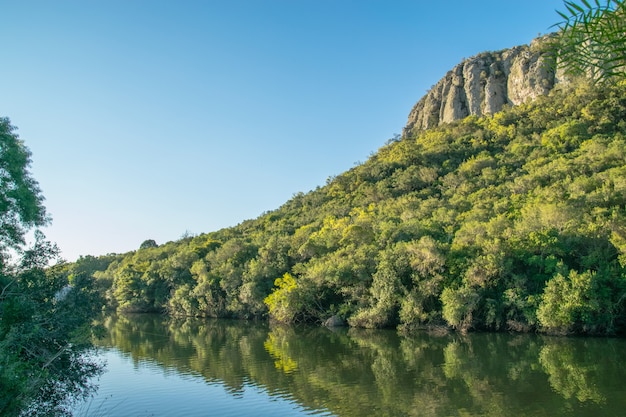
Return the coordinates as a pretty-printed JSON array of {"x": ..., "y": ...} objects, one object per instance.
[{"x": 158, "y": 367}]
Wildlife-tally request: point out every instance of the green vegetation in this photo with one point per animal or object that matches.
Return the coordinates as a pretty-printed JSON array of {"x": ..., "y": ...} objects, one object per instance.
[
  {"x": 515, "y": 221},
  {"x": 45, "y": 312},
  {"x": 592, "y": 39}
]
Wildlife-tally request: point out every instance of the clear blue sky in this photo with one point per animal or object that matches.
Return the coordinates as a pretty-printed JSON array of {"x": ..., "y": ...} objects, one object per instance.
[{"x": 147, "y": 119}]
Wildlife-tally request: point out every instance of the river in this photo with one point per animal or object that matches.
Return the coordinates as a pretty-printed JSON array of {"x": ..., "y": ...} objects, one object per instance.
[{"x": 162, "y": 367}]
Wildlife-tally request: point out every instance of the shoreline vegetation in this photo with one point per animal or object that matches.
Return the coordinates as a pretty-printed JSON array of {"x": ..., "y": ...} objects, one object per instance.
[{"x": 510, "y": 222}]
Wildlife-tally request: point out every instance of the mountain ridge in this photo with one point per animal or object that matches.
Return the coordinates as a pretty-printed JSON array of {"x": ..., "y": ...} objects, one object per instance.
[{"x": 485, "y": 83}]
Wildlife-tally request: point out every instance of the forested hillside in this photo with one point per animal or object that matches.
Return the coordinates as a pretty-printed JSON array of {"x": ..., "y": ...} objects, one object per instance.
[{"x": 515, "y": 221}]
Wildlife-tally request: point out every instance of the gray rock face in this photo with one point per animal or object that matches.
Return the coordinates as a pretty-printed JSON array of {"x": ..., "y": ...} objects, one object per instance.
[
  {"x": 334, "y": 321},
  {"x": 485, "y": 83}
]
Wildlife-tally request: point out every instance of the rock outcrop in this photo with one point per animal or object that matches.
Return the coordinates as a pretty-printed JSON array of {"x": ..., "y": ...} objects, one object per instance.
[
  {"x": 334, "y": 321},
  {"x": 485, "y": 83}
]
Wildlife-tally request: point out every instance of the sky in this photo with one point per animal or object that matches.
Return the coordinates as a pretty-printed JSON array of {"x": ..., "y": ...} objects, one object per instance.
[{"x": 152, "y": 119}]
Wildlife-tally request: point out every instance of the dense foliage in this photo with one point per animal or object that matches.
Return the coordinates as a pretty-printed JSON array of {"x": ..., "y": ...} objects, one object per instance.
[
  {"x": 21, "y": 202},
  {"x": 515, "y": 221},
  {"x": 45, "y": 313}
]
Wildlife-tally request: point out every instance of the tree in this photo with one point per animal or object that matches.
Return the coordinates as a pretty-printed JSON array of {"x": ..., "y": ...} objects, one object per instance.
[
  {"x": 21, "y": 202},
  {"x": 45, "y": 339},
  {"x": 45, "y": 312},
  {"x": 284, "y": 303},
  {"x": 593, "y": 39},
  {"x": 147, "y": 244}
]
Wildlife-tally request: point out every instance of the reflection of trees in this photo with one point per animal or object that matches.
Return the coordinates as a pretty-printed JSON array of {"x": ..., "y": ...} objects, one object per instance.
[
  {"x": 569, "y": 381},
  {"x": 219, "y": 350},
  {"x": 578, "y": 370},
  {"x": 490, "y": 371},
  {"x": 274, "y": 345},
  {"x": 361, "y": 372}
]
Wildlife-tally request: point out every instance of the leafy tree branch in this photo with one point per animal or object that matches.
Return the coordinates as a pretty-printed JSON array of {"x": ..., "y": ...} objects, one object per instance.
[{"x": 592, "y": 40}]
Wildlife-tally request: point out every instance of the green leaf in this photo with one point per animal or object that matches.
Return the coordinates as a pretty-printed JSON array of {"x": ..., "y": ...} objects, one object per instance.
[
  {"x": 571, "y": 10},
  {"x": 563, "y": 15}
]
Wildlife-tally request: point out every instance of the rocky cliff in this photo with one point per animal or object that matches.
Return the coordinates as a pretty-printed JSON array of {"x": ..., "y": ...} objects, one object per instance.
[{"x": 484, "y": 84}]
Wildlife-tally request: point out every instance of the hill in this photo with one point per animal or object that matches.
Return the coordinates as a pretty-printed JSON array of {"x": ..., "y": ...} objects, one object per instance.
[{"x": 509, "y": 221}]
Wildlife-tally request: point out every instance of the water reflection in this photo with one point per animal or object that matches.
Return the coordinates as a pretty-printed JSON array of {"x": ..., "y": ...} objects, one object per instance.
[{"x": 359, "y": 372}]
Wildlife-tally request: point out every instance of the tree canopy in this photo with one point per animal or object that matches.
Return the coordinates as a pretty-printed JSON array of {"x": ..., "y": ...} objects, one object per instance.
[{"x": 21, "y": 201}]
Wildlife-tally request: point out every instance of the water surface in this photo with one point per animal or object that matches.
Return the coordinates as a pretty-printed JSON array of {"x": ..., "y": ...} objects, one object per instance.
[{"x": 161, "y": 367}]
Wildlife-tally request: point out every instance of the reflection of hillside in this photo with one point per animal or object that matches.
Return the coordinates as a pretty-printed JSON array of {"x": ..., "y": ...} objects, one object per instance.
[{"x": 359, "y": 372}]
